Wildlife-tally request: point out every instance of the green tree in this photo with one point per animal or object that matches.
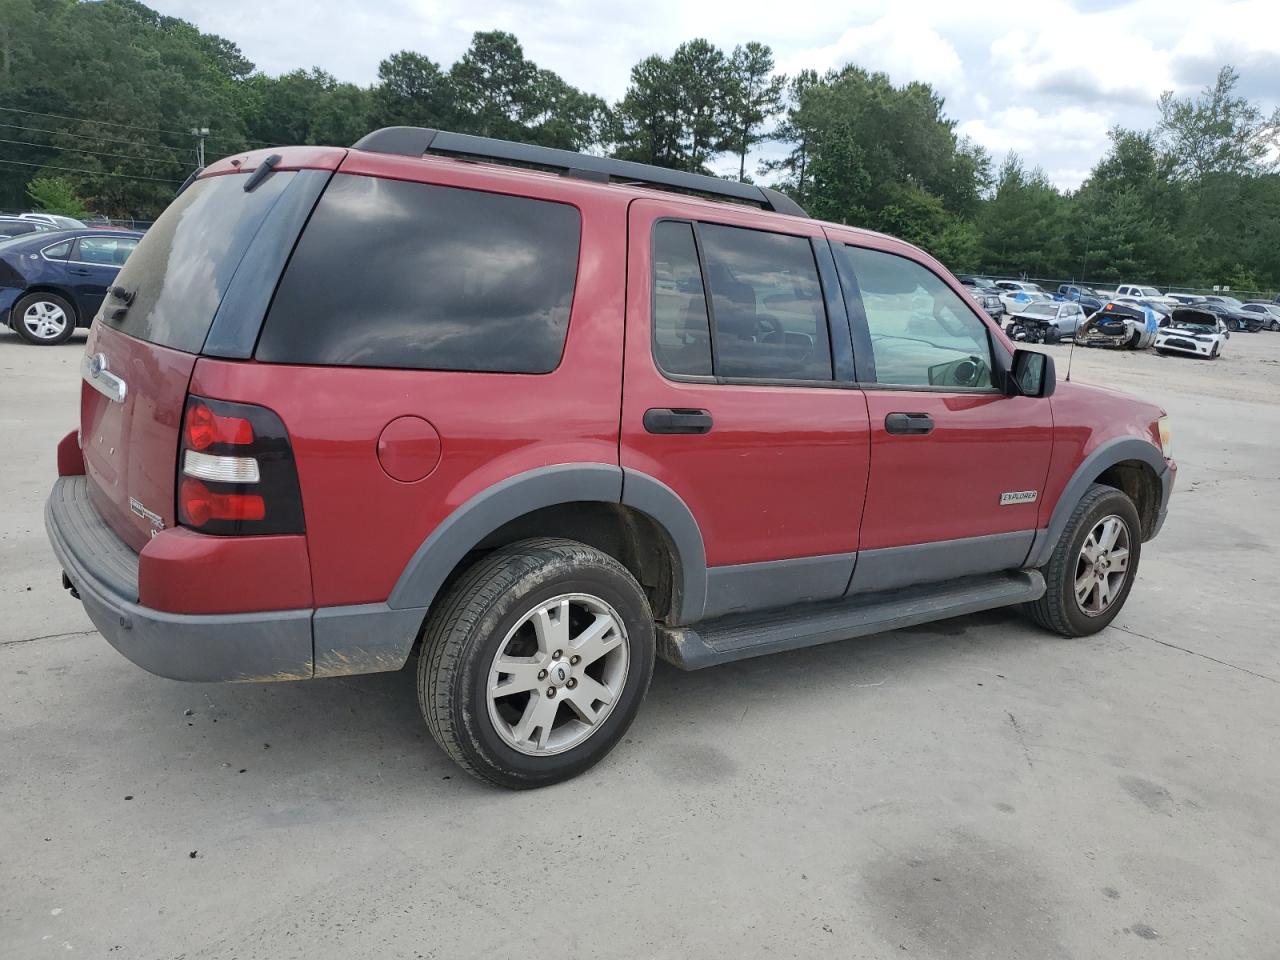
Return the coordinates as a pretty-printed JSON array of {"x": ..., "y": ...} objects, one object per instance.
[
  {"x": 754, "y": 97},
  {"x": 55, "y": 195},
  {"x": 1022, "y": 227},
  {"x": 795, "y": 129},
  {"x": 411, "y": 91},
  {"x": 1218, "y": 132}
]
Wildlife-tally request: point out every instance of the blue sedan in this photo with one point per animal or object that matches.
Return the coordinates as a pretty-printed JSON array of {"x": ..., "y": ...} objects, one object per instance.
[{"x": 51, "y": 283}]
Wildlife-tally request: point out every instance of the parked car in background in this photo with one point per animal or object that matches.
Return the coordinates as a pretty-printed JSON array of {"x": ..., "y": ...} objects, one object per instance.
[
  {"x": 1015, "y": 294},
  {"x": 987, "y": 296},
  {"x": 1120, "y": 326},
  {"x": 1191, "y": 330},
  {"x": 1268, "y": 312},
  {"x": 1045, "y": 322},
  {"x": 1235, "y": 317},
  {"x": 51, "y": 283},
  {"x": 1161, "y": 307},
  {"x": 57, "y": 221},
  {"x": 1087, "y": 297},
  {"x": 1223, "y": 299},
  {"x": 1186, "y": 298},
  {"x": 586, "y": 494},
  {"x": 1142, "y": 293},
  {"x": 18, "y": 227}
]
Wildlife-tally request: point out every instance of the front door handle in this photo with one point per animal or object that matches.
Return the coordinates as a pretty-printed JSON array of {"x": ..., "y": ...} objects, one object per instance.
[
  {"x": 908, "y": 423},
  {"x": 677, "y": 420},
  {"x": 80, "y": 272}
]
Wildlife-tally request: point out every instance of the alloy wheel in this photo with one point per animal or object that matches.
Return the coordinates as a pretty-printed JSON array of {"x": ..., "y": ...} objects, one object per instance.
[
  {"x": 45, "y": 320},
  {"x": 557, "y": 674},
  {"x": 1103, "y": 566}
]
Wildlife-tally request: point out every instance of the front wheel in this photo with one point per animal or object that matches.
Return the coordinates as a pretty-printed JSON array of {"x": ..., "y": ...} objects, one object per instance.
[
  {"x": 535, "y": 662},
  {"x": 1089, "y": 576},
  {"x": 1274, "y": 326},
  {"x": 44, "y": 319}
]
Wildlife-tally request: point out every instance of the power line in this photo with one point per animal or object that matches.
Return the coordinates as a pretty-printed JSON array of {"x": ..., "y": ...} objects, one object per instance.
[
  {"x": 85, "y": 136},
  {"x": 95, "y": 153},
  {"x": 92, "y": 173},
  {"x": 129, "y": 126}
]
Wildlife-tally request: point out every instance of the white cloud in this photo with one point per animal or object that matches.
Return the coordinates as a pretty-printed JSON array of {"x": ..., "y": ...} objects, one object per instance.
[
  {"x": 897, "y": 44},
  {"x": 1047, "y": 78}
]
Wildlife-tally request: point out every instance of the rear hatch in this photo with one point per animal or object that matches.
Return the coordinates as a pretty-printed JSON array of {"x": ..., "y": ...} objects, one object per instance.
[{"x": 148, "y": 336}]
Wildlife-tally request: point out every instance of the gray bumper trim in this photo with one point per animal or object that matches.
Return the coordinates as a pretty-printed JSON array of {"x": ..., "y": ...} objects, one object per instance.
[{"x": 274, "y": 645}]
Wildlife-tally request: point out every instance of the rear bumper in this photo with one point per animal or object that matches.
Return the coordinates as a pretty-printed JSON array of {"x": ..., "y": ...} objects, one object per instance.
[{"x": 273, "y": 645}]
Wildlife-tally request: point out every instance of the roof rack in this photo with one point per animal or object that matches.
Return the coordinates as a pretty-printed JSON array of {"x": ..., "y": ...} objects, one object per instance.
[{"x": 418, "y": 141}]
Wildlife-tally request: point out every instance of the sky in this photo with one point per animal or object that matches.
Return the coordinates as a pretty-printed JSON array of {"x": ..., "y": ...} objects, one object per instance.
[{"x": 1044, "y": 78}]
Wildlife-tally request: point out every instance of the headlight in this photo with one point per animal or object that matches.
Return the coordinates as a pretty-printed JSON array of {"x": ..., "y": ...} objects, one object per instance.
[{"x": 1166, "y": 437}]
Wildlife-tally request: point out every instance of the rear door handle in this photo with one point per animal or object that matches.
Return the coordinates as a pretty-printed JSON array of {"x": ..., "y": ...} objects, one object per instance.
[
  {"x": 677, "y": 420},
  {"x": 80, "y": 272},
  {"x": 908, "y": 423}
]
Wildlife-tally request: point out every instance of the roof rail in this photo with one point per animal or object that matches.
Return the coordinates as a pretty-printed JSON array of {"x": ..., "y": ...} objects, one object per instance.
[{"x": 417, "y": 141}]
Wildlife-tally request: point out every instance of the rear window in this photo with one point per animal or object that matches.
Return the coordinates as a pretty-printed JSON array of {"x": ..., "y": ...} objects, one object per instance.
[
  {"x": 181, "y": 268},
  {"x": 418, "y": 276}
]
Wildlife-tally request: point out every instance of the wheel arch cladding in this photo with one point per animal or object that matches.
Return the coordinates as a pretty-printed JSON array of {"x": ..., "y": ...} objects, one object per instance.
[
  {"x": 1120, "y": 463},
  {"x": 538, "y": 492}
]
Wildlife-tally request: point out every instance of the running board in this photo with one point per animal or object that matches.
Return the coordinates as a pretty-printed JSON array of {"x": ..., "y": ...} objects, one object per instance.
[{"x": 730, "y": 638}]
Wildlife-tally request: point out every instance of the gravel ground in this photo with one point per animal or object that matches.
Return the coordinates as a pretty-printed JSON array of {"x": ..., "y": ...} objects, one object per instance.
[{"x": 974, "y": 788}]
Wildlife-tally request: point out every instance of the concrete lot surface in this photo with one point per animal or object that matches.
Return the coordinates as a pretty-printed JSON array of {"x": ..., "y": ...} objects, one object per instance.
[{"x": 975, "y": 788}]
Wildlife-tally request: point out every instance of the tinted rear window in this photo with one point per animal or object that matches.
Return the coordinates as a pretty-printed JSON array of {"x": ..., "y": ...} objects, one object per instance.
[
  {"x": 410, "y": 275},
  {"x": 182, "y": 267}
]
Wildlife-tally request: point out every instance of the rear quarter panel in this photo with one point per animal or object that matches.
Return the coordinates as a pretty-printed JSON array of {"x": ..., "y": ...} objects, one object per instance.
[{"x": 362, "y": 525}]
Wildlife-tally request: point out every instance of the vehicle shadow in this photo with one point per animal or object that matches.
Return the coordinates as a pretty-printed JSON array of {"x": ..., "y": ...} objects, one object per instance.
[{"x": 368, "y": 729}]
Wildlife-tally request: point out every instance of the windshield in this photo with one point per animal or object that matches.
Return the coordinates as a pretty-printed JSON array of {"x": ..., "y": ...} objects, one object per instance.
[
  {"x": 1041, "y": 310},
  {"x": 1150, "y": 292}
]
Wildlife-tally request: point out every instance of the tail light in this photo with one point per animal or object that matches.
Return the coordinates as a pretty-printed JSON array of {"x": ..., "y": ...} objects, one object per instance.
[{"x": 236, "y": 473}]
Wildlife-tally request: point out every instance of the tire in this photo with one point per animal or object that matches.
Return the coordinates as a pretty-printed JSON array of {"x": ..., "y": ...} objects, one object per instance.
[
  {"x": 1160, "y": 351},
  {"x": 1134, "y": 339},
  {"x": 1059, "y": 610},
  {"x": 44, "y": 319},
  {"x": 1273, "y": 326},
  {"x": 492, "y": 610},
  {"x": 1213, "y": 354}
]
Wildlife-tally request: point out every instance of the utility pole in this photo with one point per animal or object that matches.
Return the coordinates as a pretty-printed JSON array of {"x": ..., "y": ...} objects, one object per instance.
[{"x": 200, "y": 133}]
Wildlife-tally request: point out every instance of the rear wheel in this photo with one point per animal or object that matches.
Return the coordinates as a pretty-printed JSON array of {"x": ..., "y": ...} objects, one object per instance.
[
  {"x": 535, "y": 662},
  {"x": 44, "y": 319},
  {"x": 1273, "y": 326},
  {"x": 1092, "y": 568}
]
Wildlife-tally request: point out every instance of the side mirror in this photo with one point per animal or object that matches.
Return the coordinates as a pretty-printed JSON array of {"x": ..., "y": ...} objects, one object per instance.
[{"x": 1031, "y": 375}]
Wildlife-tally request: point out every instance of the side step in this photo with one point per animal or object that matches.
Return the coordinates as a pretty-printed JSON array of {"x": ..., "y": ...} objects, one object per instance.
[{"x": 726, "y": 639}]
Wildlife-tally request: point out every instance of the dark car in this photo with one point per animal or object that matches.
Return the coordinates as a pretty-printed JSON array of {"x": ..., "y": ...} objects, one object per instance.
[
  {"x": 985, "y": 294},
  {"x": 18, "y": 227},
  {"x": 633, "y": 445},
  {"x": 1234, "y": 317},
  {"x": 53, "y": 282},
  {"x": 1087, "y": 297}
]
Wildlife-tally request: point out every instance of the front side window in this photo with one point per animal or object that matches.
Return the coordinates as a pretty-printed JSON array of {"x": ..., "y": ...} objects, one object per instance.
[
  {"x": 106, "y": 251},
  {"x": 922, "y": 333},
  {"x": 390, "y": 273}
]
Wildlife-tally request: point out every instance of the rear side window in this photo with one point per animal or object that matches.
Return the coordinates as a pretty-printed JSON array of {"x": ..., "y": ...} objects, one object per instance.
[
  {"x": 59, "y": 251},
  {"x": 410, "y": 275},
  {"x": 183, "y": 265},
  {"x": 767, "y": 318},
  {"x": 681, "y": 332},
  {"x": 766, "y": 303}
]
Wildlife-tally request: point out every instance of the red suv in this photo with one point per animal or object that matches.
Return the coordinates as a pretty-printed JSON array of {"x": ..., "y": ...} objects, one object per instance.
[{"x": 542, "y": 416}]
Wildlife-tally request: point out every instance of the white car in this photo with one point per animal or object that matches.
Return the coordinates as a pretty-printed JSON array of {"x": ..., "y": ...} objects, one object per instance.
[
  {"x": 1045, "y": 322},
  {"x": 1270, "y": 313},
  {"x": 1143, "y": 293},
  {"x": 1193, "y": 332},
  {"x": 1016, "y": 294},
  {"x": 57, "y": 221}
]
